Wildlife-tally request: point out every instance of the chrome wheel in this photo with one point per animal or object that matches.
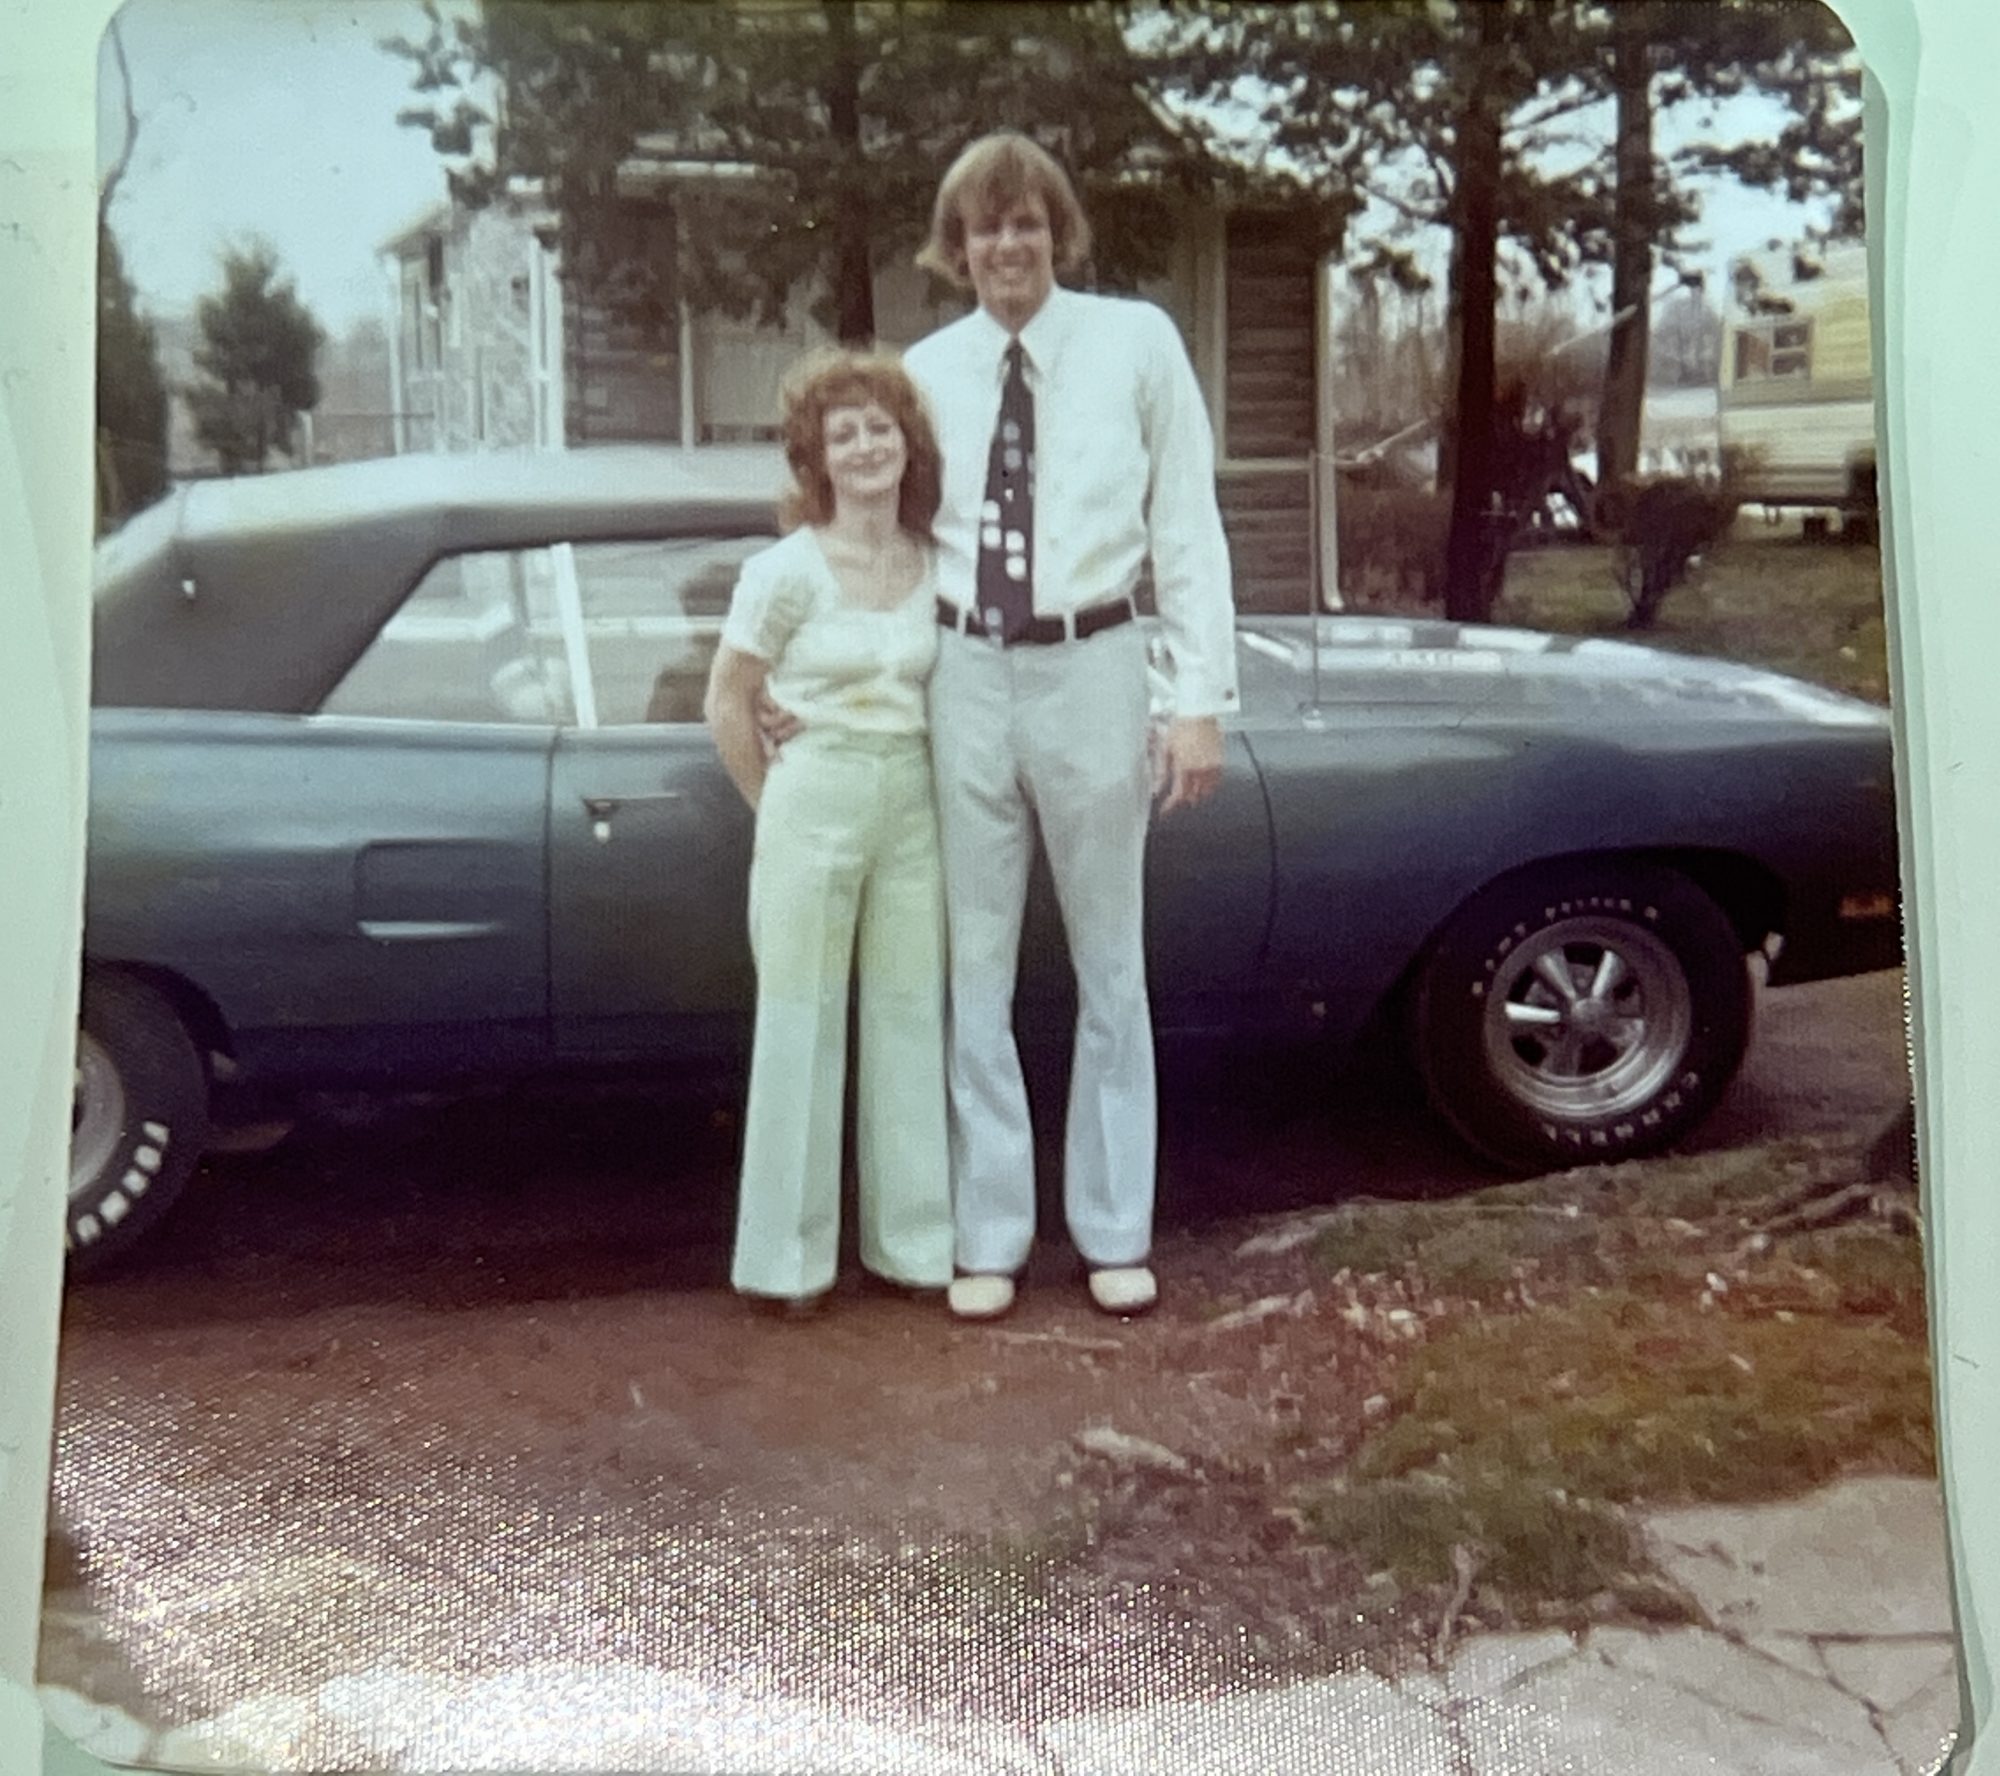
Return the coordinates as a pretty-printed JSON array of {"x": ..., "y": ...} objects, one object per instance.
[
  {"x": 97, "y": 1114},
  {"x": 138, "y": 1116},
  {"x": 1590, "y": 1017}
]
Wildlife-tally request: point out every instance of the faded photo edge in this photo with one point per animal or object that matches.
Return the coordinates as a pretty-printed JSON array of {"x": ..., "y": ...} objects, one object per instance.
[{"x": 1925, "y": 149}]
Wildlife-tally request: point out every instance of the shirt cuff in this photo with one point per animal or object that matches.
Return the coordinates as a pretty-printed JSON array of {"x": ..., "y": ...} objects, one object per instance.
[{"x": 1192, "y": 697}]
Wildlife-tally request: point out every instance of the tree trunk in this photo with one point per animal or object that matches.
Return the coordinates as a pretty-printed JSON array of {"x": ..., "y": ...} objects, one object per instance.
[
  {"x": 853, "y": 280},
  {"x": 1454, "y": 359},
  {"x": 1475, "y": 534},
  {"x": 1622, "y": 405}
]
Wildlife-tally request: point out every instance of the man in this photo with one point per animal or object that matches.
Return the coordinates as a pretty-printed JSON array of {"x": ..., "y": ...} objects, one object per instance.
[{"x": 1076, "y": 448}]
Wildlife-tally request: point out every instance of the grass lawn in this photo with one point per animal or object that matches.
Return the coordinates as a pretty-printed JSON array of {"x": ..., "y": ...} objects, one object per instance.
[
  {"x": 1767, "y": 597},
  {"x": 1616, "y": 1337}
]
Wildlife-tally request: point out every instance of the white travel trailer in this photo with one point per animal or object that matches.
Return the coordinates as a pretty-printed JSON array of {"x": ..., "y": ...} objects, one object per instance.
[{"x": 1796, "y": 404}]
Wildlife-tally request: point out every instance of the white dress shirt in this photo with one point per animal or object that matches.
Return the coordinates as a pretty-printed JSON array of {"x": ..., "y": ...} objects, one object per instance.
[{"x": 1124, "y": 467}]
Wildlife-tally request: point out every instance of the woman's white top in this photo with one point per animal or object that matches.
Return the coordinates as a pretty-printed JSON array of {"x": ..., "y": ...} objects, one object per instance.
[{"x": 833, "y": 663}]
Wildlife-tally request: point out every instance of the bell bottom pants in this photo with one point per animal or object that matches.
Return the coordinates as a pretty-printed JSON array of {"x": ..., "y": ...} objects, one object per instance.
[
  {"x": 846, "y": 871},
  {"x": 1053, "y": 737}
]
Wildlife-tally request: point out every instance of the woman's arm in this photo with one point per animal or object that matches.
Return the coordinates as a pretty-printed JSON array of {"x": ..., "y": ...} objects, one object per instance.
[{"x": 730, "y": 709}]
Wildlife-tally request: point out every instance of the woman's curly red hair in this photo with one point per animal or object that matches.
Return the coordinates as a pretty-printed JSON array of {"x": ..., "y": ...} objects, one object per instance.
[{"x": 829, "y": 379}]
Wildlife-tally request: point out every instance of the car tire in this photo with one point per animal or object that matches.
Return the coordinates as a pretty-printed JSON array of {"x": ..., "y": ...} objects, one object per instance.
[
  {"x": 1581, "y": 1013},
  {"x": 139, "y": 1120}
]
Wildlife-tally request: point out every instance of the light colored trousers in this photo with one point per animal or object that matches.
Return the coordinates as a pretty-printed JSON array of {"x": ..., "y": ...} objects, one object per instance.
[
  {"x": 1055, "y": 737},
  {"x": 846, "y": 870}
]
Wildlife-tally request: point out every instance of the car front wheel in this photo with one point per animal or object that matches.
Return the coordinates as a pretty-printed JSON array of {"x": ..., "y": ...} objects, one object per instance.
[
  {"x": 138, "y": 1121},
  {"x": 1585, "y": 1012}
]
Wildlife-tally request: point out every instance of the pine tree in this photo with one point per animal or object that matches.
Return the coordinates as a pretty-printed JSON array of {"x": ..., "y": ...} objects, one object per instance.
[
  {"x": 131, "y": 395},
  {"x": 1655, "y": 54},
  {"x": 257, "y": 358},
  {"x": 1444, "y": 113},
  {"x": 821, "y": 129},
  {"x": 1452, "y": 114}
]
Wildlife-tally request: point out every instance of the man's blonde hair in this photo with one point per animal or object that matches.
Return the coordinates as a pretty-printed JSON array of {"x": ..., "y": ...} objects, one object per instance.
[{"x": 993, "y": 174}]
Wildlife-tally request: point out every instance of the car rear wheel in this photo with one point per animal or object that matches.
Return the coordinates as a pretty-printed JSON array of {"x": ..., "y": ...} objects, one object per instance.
[
  {"x": 1583, "y": 1012},
  {"x": 138, "y": 1119}
]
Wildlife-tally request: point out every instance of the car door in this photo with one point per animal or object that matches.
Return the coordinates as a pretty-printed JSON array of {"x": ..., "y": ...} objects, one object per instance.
[
  {"x": 649, "y": 841},
  {"x": 360, "y": 891},
  {"x": 1209, "y": 877},
  {"x": 1208, "y": 910}
]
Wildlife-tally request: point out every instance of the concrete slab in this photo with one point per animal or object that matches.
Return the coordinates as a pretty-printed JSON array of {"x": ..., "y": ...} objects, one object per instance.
[
  {"x": 1331, "y": 1723},
  {"x": 1921, "y": 1730},
  {"x": 1799, "y": 1651},
  {"x": 1859, "y": 1557},
  {"x": 1587, "y": 1716},
  {"x": 1491, "y": 1663},
  {"x": 1890, "y": 1672},
  {"x": 1713, "y": 1674}
]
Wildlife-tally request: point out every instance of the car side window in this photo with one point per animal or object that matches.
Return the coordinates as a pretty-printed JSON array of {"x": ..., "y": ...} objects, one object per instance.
[
  {"x": 652, "y": 620},
  {"x": 476, "y": 640}
]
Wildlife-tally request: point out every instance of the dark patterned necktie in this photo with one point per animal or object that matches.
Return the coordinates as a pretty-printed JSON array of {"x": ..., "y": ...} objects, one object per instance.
[{"x": 1007, "y": 519}]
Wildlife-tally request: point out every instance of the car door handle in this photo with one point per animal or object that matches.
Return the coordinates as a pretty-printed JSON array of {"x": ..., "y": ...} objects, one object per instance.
[{"x": 603, "y": 807}]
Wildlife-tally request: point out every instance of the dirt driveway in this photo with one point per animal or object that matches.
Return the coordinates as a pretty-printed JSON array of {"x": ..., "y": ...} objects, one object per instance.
[{"x": 459, "y": 1389}]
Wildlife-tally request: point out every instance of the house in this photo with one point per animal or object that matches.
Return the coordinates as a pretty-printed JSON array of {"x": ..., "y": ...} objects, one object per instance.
[
  {"x": 1796, "y": 405},
  {"x": 492, "y": 348}
]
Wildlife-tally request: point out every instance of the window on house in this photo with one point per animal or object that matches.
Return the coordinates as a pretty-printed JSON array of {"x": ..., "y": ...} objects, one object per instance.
[{"x": 414, "y": 329}]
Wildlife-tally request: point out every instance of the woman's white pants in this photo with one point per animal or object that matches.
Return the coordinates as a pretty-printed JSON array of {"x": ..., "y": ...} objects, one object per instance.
[{"x": 846, "y": 871}]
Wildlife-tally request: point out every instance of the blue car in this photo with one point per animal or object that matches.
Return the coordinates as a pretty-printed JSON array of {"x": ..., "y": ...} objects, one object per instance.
[{"x": 399, "y": 780}]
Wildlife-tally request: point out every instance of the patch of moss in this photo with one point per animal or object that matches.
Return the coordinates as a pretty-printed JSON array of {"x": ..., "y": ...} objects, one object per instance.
[
  {"x": 1524, "y": 1541},
  {"x": 1520, "y": 1436},
  {"x": 1618, "y": 1397}
]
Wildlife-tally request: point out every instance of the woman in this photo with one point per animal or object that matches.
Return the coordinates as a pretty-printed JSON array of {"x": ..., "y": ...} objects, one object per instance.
[{"x": 837, "y": 625}]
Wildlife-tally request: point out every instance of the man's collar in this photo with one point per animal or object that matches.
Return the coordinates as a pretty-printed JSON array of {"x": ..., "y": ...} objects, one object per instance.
[{"x": 1039, "y": 338}]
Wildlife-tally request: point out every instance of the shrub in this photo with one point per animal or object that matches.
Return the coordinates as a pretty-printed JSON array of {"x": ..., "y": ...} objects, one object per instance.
[
  {"x": 1660, "y": 528},
  {"x": 1391, "y": 543}
]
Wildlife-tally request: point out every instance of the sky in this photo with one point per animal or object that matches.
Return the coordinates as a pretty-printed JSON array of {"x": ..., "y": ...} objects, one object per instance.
[
  {"x": 278, "y": 118},
  {"x": 271, "y": 117}
]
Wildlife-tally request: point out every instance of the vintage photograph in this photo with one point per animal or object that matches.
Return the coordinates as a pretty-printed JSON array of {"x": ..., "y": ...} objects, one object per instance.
[{"x": 991, "y": 887}]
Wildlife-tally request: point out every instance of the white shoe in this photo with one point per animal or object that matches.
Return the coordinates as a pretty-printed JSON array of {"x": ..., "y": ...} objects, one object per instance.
[
  {"x": 1124, "y": 1289},
  {"x": 980, "y": 1297}
]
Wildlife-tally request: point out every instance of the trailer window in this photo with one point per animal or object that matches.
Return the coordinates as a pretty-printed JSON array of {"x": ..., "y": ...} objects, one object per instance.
[{"x": 1784, "y": 349}]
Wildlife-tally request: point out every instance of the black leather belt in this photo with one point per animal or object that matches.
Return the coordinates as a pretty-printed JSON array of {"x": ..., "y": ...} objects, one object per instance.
[{"x": 1041, "y": 631}]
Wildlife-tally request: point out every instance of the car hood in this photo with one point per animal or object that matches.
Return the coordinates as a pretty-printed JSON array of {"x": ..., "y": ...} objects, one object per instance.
[{"x": 1503, "y": 674}]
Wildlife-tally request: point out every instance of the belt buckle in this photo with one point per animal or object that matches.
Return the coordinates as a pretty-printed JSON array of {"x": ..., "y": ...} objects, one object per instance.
[{"x": 992, "y": 625}]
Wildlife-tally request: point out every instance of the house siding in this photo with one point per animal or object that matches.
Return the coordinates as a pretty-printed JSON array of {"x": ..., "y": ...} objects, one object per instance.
[
  {"x": 1241, "y": 286},
  {"x": 465, "y": 331},
  {"x": 1270, "y": 395}
]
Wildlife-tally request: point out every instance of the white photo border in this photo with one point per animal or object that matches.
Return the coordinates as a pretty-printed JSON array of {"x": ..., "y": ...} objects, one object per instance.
[{"x": 1934, "y": 152}]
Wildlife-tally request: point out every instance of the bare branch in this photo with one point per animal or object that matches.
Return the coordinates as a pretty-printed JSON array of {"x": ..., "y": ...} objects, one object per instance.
[
  {"x": 1402, "y": 206},
  {"x": 109, "y": 189},
  {"x": 1441, "y": 169},
  {"x": 1549, "y": 113}
]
